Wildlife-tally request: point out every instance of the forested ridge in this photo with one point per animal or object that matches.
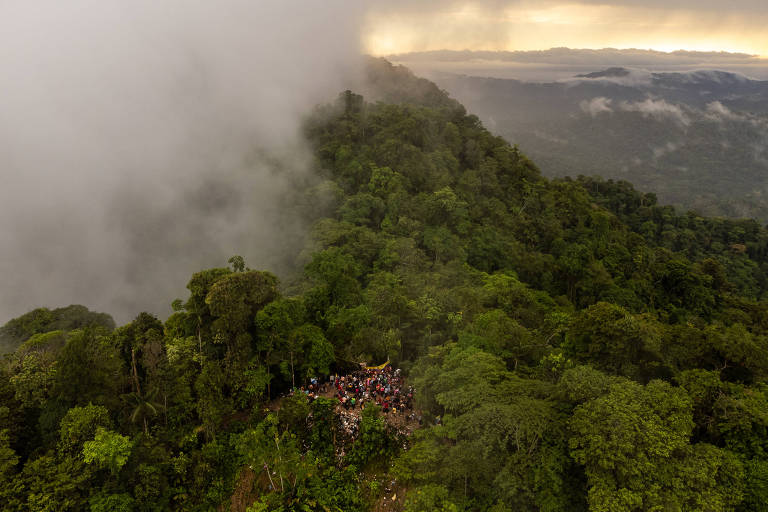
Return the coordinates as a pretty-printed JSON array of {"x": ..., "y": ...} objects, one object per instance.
[{"x": 583, "y": 347}]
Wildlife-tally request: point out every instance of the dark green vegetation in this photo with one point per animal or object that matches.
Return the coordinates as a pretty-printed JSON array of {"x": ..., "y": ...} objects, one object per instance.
[
  {"x": 43, "y": 320},
  {"x": 697, "y": 139},
  {"x": 583, "y": 348}
]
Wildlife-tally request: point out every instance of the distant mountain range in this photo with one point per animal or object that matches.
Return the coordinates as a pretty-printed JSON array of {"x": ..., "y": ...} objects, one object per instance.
[
  {"x": 560, "y": 63},
  {"x": 563, "y": 55},
  {"x": 698, "y": 139}
]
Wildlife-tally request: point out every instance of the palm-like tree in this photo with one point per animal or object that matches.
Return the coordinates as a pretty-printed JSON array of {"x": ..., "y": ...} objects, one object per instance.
[{"x": 144, "y": 407}]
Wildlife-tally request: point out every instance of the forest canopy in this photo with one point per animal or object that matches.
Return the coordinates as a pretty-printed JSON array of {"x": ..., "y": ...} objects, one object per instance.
[{"x": 573, "y": 345}]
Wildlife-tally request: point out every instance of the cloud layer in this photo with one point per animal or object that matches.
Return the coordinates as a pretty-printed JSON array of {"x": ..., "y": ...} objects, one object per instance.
[
  {"x": 143, "y": 140},
  {"x": 656, "y": 108}
]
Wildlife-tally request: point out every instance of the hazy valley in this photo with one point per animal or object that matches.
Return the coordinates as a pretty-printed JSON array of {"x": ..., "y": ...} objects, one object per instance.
[{"x": 697, "y": 139}]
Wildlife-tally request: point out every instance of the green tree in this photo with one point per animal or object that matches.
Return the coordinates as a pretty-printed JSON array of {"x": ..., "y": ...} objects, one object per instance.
[
  {"x": 500, "y": 335},
  {"x": 214, "y": 402},
  {"x": 276, "y": 322},
  {"x": 430, "y": 497},
  {"x": 108, "y": 450},
  {"x": 634, "y": 445},
  {"x": 276, "y": 455},
  {"x": 80, "y": 424},
  {"x": 104, "y": 502},
  {"x": 88, "y": 370},
  {"x": 143, "y": 408},
  {"x": 614, "y": 340},
  {"x": 374, "y": 443},
  {"x": 8, "y": 458},
  {"x": 50, "y": 483},
  {"x": 317, "y": 354},
  {"x": 234, "y": 300}
]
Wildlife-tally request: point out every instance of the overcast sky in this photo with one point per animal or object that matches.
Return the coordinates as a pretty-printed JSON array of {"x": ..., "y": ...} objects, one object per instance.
[{"x": 399, "y": 26}]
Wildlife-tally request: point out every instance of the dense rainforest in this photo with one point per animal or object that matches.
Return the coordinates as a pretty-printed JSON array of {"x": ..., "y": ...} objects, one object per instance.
[{"x": 573, "y": 346}]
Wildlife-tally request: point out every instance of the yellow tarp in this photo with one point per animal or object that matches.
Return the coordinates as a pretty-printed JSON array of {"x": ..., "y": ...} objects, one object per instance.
[{"x": 380, "y": 367}]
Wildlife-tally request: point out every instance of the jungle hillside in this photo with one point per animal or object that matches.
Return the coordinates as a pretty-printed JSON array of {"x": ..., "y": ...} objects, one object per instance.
[{"x": 573, "y": 344}]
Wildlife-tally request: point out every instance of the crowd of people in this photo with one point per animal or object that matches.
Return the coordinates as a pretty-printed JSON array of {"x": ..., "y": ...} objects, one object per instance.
[{"x": 383, "y": 387}]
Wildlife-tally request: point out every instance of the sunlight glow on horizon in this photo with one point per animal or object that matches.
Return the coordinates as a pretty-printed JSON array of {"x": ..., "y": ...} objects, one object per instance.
[
  {"x": 382, "y": 46},
  {"x": 565, "y": 25}
]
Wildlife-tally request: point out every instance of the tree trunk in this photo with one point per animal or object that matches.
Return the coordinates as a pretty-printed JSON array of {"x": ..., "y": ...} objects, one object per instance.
[
  {"x": 280, "y": 470},
  {"x": 293, "y": 377},
  {"x": 137, "y": 389},
  {"x": 271, "y": 482},
  {"x": 200, "y": 343}
]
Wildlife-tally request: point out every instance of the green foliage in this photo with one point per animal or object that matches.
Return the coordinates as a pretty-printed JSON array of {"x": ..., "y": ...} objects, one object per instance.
[
  {"x": 87, "y": 369},
  {"x": 112, "y": 503},
  {"x": 275, "y": 454},
  {"x": 213, "y": 401},
  {"x": 238, "y": 263},
  {"x": 332, "y": 489},
  {"x": 756, "y": 486},
  {"x": 80, "y": 424},
  {"x": 616, "y": 340},
  {"x": 498, "y": 334},
  {"x": 375, "y": 442},
  {"x": 499, "y": 441},
  {"x": 583, "y": 383},
  {"x": 108, "y": 450},
  {"x": 634, "y": 445},
  {"x": 48, "y": 483},
  {"x": 8, "y": 457},
  {"x": 33, "y": 375},
  {"x": 235, "y": 299},
  {"x": 317, "y": 351},
  {"x": 430, "y": 497},
  {"x": 322, "y": 432},
  {"x": 43, "y": 320}
]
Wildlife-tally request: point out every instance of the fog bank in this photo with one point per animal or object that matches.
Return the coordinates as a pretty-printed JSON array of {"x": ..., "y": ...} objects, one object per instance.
[{"x": 136, "y": 141}]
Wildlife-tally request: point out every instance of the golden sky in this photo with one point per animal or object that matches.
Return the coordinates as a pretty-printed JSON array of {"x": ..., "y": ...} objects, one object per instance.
[{"x": 705, "y": 25}]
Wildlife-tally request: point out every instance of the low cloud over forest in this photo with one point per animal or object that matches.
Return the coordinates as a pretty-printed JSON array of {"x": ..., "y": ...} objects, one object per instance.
[{"x": 142, "y": 141}]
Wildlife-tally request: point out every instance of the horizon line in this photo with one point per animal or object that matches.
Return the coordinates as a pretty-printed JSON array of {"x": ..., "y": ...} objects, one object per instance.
[{"x": 649, "y": 50}]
